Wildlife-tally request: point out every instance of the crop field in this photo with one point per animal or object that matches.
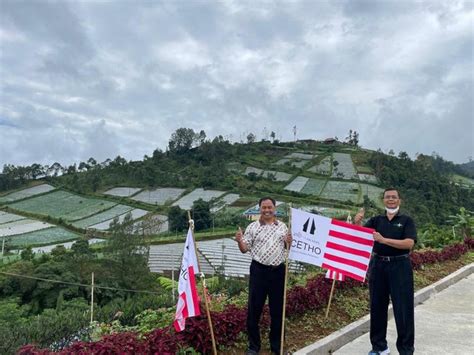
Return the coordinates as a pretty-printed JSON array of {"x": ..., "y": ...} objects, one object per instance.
[
  {"x": 297, "y": 184},
  {"x": 374, "y": 193},
  {"x": 300, "y": 156},
  {"x": 345, "y": 169},
  {"x": 323, "y": 168},
  {"x": 62, "y": 204},
  {"x": 277, "y": 175},
  {"x": 44, "y": 236},
  {"x": 368, "y": 178},
  {"x": 342, "y": 191},
  {"x": 160, "y": 196},
  {"x": 67, "y": 245},
  {"x": 158, "y": 224},
  {"x": 313, "y": 187},
  {"x": 6, "y": 217},
  {"x": 251, "y": 170},
  {"x": 224, "y": 201},
  {"x": 122, "y": 191},
  {"x": 294, "y": 163},
  {"x": 18, "y": 195},
  {"x": 102, "y": 216},
  {"x": 186, "y": 202},
  {"x": 136, "y": 213},
  {"x": 364, "y": 169},
  {"x": 22, "y": 226}
]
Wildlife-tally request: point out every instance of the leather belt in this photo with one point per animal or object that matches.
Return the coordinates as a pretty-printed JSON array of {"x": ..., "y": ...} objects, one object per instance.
[{"x": 391, "y": 258}]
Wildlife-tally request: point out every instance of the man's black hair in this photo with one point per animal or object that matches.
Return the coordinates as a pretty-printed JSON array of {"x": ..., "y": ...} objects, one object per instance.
[{"x": 266, "y": 198}]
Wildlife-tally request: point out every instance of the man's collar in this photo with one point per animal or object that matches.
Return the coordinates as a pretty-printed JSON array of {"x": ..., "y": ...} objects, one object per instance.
[{"x": 262, "y": 222}]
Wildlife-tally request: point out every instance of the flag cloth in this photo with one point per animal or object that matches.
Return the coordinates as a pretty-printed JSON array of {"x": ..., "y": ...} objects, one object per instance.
[
  {"x": 331, "y": 244},
  {"x": 188, "y": 301},
  {"x": 334, "y": 275}
]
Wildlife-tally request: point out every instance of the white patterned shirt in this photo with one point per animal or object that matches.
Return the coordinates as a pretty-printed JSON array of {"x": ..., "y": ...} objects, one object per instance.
[{"x": 266, "y": 242}]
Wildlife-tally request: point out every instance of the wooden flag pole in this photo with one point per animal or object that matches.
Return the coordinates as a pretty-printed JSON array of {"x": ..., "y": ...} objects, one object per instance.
[
  {"x": 92, "y": 298},
  {"x": 330, "y": 297},
  {"x": 204, "y": 289},
  {"x": 282, "y": 340}
]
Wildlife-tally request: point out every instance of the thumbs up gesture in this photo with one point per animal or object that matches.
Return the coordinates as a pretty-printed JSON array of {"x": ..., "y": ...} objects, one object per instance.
[
  {"x": 359, "y": 216},
  {"x": 238, "y": 235}
]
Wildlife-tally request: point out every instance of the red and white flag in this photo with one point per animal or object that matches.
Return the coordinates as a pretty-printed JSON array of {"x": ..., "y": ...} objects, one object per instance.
[
  {"x": 188, "y": 301},
  {"x": 334, "y": 275},
  {"x": 331, "y": 244},
  {"x": 348, "y": 249}
]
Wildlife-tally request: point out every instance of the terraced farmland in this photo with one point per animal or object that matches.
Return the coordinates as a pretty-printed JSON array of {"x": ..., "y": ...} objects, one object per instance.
[
  {"x": 313, "y": 187},
  {"x": 22, "y": 226},
  {"x": 345, "y": 168},
  {"x": 6, "y": 217},
  {"x": 62, "y": 204},
  {"x": 154, "y": 224},
  {"x": 186, "y": 202},
  {"x": 122, "y": 191},
  {"x": 375, "y": 193},
  {"x": 32, "y": 191},
  {"x": 224, "y": 201},
  {"x": 160, "y": 196},
  {"x": 136, "y": 213},
  {"x": 297, "y": 184},
  {"x": 277, "y": 175},
  {"x": 300, "y": 156},
  {"x": 44, "y": 236},
  {"x": 48, "y": 248},
  {"x": 323, "y": 168},
  {"x": 368, "y": 178},
  {"x": 294, "y": 163},
  {"x": 342, "y": 191},
  {"x": 102, "y": 216}
]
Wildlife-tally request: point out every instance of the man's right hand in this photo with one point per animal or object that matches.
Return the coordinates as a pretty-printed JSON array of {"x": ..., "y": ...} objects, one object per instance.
[
  {"x": 359, "y": 216},
  {"x": 238, "y": 235}
]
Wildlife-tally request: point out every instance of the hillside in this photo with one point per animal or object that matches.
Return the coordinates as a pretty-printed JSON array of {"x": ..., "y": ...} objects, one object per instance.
[{"x": 333, "y": 179}]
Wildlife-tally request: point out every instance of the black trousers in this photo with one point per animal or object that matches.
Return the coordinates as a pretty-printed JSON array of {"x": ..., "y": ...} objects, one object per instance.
[
  {"x": 392, "y": 279},
  {"x": 265, "y": 281}
]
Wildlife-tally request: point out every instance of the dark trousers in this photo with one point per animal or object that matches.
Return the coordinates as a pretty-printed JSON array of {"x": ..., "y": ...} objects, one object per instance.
[
  {"x": 265, "y": 281},
  {"x": 392, "y": 279}
]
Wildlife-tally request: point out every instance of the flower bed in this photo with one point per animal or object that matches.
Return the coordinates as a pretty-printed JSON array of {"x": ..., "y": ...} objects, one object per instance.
[{"x": 229, "y": 323}]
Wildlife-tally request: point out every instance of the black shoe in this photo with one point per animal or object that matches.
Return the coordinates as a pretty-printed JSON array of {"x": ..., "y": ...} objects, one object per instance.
[{"x": 251, "y": 352}]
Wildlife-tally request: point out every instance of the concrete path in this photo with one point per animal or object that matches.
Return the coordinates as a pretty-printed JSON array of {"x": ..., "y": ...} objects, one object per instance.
[{"x": 444, "y": 324}]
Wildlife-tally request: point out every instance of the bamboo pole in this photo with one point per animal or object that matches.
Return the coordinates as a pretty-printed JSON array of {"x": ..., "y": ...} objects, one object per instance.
[
  {"x": 92, "y": 298},
  {"x": 204, "y": 289},
  {"x": 282, "y": 340},
  {"x": 330, "y": 297}
]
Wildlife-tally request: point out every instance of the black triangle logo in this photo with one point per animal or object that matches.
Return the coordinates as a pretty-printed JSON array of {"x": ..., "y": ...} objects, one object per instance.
[{"x": 312, "y": 229}]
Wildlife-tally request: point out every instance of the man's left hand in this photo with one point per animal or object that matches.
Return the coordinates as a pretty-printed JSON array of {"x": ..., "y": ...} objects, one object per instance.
[
  {"x": 378, "y": 237},
  {"x": 288, "y": 239}
]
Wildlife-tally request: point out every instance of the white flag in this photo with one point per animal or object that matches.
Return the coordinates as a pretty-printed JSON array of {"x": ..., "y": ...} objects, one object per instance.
[
  {"x": 331, "y": 244},
  {"x": 188, "y": 301}
]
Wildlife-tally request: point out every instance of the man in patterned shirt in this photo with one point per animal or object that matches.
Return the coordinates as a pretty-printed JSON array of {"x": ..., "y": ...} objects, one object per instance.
[{"x": 266, "y": 240}]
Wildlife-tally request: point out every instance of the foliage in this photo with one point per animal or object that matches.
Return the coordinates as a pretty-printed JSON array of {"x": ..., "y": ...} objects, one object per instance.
[
  {"x": 177, "y": 219},
  {"x": 201, "y": 215}
]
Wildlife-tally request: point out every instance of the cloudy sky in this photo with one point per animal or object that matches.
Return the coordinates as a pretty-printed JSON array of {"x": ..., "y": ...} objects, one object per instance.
[{"x": 101, "y": 79}]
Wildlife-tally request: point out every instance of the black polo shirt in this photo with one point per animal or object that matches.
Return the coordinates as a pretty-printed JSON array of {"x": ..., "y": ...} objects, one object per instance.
[{"x": 400, "y": 227}]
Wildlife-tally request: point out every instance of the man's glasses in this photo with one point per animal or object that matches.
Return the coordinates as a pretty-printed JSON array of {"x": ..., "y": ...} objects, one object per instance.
[{"x": 390, "y": 197}]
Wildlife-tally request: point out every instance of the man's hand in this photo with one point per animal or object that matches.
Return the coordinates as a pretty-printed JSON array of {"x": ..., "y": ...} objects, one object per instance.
[
  {"x": 240, "y": 241},
  {"x": 238, "y": 235},
  {"x": 288, "y": 239},
  {"x": 378, "y": 237},
  {"x": 359, "y": 216}
]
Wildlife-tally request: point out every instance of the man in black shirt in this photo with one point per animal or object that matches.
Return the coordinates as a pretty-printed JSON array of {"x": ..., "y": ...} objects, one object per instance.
[{"x": 391, "y": 275}]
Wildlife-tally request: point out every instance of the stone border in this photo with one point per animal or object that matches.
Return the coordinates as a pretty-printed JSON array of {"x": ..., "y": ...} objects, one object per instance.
[{"x": 352, "y": 331}]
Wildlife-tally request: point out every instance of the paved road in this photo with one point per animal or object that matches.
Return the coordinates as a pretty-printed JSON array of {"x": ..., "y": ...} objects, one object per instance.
[{"x": 444, "y": 324}]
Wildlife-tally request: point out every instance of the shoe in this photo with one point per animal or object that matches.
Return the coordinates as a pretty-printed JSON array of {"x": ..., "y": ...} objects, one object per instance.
[
  {"x": 251, "y": 352},
  {"x": 383, "y": 352}
]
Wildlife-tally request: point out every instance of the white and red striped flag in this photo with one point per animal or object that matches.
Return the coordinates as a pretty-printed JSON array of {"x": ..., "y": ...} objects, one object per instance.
[
  {"x": 334, "y": 275},
  {"x": 188, "y": 301},
  {"x": 331, "y": 244},
  {"x": 348, "y": 249}
]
